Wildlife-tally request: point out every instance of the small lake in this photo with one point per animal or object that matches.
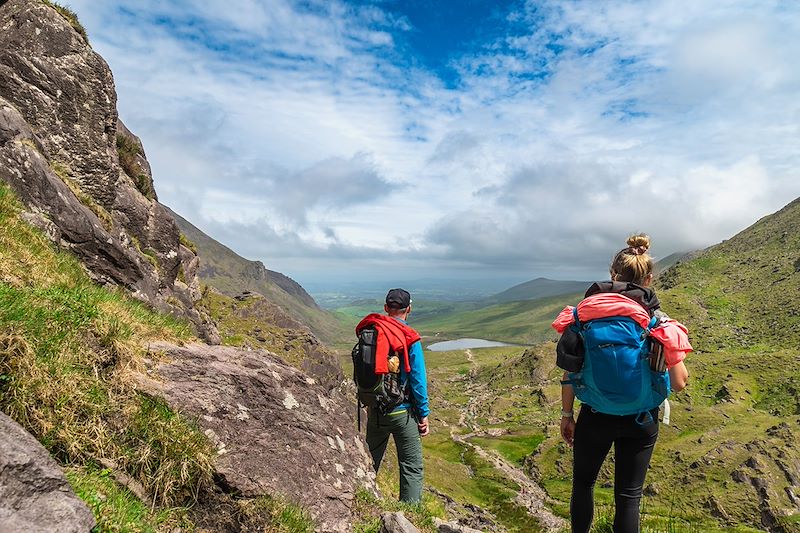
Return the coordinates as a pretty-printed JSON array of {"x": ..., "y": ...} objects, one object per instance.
[{"x": 464, "y": 344}]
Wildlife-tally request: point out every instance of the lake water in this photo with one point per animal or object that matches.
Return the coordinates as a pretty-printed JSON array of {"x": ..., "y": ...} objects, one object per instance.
[{"x": 463, "y": 344}]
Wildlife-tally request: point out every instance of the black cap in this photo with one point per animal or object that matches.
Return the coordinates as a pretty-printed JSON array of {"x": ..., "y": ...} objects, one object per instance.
[{"x": 398, "y": 299}]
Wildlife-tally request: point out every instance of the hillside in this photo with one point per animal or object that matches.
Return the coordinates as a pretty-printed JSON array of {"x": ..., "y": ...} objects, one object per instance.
[
  {"x": 539, "y": 288},
  {"x": 231, "y": 274},
  {"x": 663, "y": 264},
  {"x": 742, "y": 293},
  {"x": 518, "y": 322},
  {"x": 730, "y": 459}
]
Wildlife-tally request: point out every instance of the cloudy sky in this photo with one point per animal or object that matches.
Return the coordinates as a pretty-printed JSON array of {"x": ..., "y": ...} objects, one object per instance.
[{"x": 384, "y": 139}]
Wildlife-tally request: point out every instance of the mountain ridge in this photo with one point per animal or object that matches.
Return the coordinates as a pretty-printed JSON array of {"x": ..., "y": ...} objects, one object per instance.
[
  {"x": 538, "y": 288},
  {"x": 231, "y": 274}
]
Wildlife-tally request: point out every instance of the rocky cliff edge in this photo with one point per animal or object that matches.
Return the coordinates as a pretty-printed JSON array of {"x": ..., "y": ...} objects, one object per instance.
[{"x": 81, "y": 173}]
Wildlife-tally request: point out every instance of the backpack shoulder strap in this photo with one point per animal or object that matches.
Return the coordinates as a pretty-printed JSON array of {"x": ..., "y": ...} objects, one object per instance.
[{"x": 575, "y": 316}]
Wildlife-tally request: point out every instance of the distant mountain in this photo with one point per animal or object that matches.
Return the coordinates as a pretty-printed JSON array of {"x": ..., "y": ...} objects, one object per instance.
[
  {"x": 538, "y": 288},
  {"x": 232, "y": 274}
]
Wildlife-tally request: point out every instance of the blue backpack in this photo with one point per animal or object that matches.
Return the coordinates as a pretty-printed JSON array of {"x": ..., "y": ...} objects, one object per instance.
[{"x": 621, "y": 375}]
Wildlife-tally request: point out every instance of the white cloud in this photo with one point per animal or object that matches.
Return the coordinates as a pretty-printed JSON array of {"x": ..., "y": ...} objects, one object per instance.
[{"x": 586, "y": 121}]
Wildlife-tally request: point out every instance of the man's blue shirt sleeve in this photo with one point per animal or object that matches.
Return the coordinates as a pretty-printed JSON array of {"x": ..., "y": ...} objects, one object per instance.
[{"x": 418, "y": 379}]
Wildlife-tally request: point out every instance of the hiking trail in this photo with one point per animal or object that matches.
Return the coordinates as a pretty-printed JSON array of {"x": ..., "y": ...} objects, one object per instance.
[{"x": 530, "y": 495}]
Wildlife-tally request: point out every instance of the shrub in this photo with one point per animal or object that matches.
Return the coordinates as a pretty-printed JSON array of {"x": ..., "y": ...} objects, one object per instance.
[{"x": 128, "y": 150}]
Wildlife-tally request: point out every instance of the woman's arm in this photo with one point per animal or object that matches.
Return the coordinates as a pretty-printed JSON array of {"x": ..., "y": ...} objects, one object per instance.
[
  {"x": 567, "y": 418},
  {"x": 678, "y": 376}
]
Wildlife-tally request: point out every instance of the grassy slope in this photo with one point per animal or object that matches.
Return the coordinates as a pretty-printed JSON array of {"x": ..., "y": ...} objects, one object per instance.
[
  {"x": 228, "y": 272},
  {"x": 523, "y": 322},
  {"x": 67, "y": 350},
  {"x": 739, "y": 417}
]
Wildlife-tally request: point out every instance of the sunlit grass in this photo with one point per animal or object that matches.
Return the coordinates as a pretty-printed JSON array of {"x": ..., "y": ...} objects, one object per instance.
[{"x": 68, "y": 351}]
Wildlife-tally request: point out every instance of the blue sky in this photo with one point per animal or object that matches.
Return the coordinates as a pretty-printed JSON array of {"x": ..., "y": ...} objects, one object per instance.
[{"x": 400, "y": 139}]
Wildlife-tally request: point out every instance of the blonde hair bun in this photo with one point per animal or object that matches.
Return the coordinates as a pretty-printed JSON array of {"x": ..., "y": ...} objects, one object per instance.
[{"x": 639, "y": 243}]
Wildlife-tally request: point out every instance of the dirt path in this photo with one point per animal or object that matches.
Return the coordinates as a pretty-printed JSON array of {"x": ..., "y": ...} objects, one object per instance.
[{"x": 530, "y": 496}]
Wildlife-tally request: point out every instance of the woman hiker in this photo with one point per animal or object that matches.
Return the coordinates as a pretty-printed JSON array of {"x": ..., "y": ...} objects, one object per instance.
[{"x": 624, "y": 413}]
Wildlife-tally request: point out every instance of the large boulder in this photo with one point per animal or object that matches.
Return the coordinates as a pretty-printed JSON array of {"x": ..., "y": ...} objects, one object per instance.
[
  {"x": 276, "y": 430},
  {"x": 81, "y": 173},
  {"x": 34, "y": 495}
]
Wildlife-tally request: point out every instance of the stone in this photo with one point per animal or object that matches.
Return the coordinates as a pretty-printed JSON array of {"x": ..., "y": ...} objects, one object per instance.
[
  {"x": 63, "y": 89},
  {"x": 452, "y": 527},
  {"x": 396, "y": 523},
  {"x": 273, "y": 434},
  {"x": 34, "y": 494},
  {"x": 59, "y": 135}
]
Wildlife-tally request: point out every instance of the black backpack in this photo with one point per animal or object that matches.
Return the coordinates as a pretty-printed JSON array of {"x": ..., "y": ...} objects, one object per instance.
[{"x": 383, "y": 392}]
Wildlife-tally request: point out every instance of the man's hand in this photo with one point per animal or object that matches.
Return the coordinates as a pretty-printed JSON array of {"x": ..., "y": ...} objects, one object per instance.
[
  {"x": 423, "y": 426},
  {"x": 568, "y": 430}
]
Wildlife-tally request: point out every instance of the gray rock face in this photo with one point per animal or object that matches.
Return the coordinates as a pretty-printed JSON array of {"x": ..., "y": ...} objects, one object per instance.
[
  {"x": 63, "y": 88},
  {"x": 34, "y": 495},
  {"x": 66, "y": 220},
  {"x": 396, "y": 523},
  {"x": 59, "y": 135},
  {"x": 275, "y": 429}
]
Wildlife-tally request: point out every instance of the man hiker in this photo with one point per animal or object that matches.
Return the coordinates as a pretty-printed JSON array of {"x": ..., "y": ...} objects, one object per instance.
[{"x": 406, "y": 417}]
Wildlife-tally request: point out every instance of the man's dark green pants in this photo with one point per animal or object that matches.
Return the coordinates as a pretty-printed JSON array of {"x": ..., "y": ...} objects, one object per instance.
[{"x": 403, "y": 427}]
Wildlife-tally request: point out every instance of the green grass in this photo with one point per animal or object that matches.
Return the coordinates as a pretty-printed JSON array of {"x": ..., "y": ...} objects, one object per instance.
[
  {"x": 522, "y": 322},
  {"x": 514, "y": 447},
  {"x": 368, "y": 509},
  {"x": 68, "y": 351},
  {"x": 253, "y": 323},
  {"x": 188, "y": 243},
  {"x": 281, "y": 515},
  {"x": 117, "y": 509}
]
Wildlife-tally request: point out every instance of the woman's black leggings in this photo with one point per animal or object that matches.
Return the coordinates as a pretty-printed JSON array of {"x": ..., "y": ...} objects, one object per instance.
[{"x": 633, "y": 446}]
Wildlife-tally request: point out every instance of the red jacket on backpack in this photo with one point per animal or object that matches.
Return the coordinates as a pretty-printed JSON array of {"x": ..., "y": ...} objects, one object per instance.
[
  {"x": 392, "y": 335},
  {"x": 672, "y": 334}
]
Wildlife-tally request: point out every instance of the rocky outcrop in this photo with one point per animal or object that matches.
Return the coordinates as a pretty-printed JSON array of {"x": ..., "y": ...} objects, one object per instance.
[
  {"x": 256, "y": 322},
  {"x": 277, "y": 432},
  {"x": 289, "y": 285},
  {"x": 452, "y": 527},
  {"x": 61, "y": 149},
  {"x": 64, "y": 90},
  {"x": 34, "y": 495},
  {"x": 396, "y": 523}
]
